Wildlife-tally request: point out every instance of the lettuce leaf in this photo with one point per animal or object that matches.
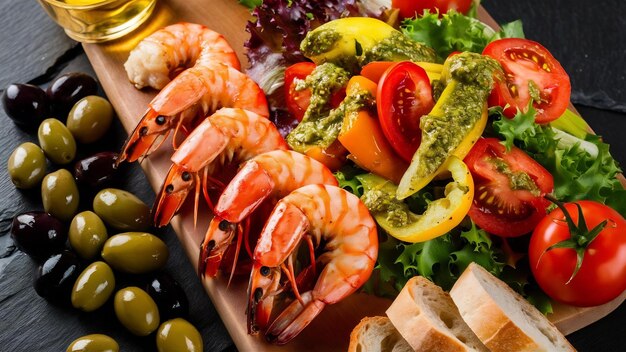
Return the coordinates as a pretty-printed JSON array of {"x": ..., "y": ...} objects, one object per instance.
[
  {"x": 456, "y": 32},
  {"x": 579, "y": 172},
  {"x": 251, "y": 4}
]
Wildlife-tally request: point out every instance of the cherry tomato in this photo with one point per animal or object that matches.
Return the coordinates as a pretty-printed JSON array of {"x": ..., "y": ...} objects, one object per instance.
[
  {"x": 530, "y": 72},
  {"x": 409, "y": 8},
  {"x": 404, "y": 95},
  {"x": 298, "y": 100},
  {"x": 602, "y": 275},
  {"x": 509, "y": 189}
]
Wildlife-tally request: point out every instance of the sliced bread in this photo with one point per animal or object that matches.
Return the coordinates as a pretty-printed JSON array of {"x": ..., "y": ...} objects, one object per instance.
[
  {"x": 429, "y": 321},
  {"x": 501, "y": 318},
  {"x": 377, "y": 334}
]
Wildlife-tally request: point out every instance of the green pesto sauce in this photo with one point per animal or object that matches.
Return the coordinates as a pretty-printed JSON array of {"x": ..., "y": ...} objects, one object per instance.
[
  {"x": 396, "y": 212},
  {"x": 319, "y": 42},
  {"x": 323, "y": 130},
  {"x": 437, "y": 86},
  {"x": 398, "y": 47},
  {"x": 441, "y": 135},
  {"x": 518, "y": 180},
  {"x": 324, "y": 81}
]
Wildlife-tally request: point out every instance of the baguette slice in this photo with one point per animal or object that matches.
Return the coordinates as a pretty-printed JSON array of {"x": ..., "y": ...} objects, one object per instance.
[
  {"x": 501, "y": 318},
  {"x": 429, "y": 321},
  {"x": 377, "y": 334}
]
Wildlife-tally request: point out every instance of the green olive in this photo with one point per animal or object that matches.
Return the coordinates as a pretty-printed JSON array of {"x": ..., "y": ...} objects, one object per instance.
[
  {"x": 56, "y": 141},
  {"x": 178, "y": 335},
  {"x": 27, "y": 165},
  {"x": 87, "y": 234},
  {"x": 121, "y": 210},
  {"x": 93, "y": 343},
  {"x": 59, "y": 194},
  {"x": 136, "y": 310},
  {"x": 135, "y": 252},
  {"x": 93, "y": 287},
  {"x": 90, "y": 118}
]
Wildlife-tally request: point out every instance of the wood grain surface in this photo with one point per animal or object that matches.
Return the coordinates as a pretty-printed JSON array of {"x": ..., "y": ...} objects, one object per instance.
[{"x": 330, "y": 331}]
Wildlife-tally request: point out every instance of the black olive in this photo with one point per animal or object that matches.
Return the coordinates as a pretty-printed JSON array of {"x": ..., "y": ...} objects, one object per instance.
[
  {"x": 68, "y": 89},
  {"x": 56, "y": 276},
  {"x": 26, "y": 105},
  {"x": 97, "y": 171},
  {"x": 38, "y": 234},
  {"x": 169, "y": 296}
]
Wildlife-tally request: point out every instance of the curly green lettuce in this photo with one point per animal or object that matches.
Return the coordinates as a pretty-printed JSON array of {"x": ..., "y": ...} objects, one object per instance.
[{"x": 456, "y": 32}]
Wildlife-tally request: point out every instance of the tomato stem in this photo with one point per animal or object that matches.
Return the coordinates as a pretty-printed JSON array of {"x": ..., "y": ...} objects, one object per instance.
[{"x": 580, "y": 235}]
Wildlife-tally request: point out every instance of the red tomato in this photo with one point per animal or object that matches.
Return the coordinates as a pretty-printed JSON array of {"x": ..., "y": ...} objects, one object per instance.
[
  {"x": 403, "y": 96},
  {"x": 525, "y": 61},
  {"x": 602, "y": 275},
  {"x": 408, "y": 8},
  {"x": 498, "y": 207},
  {"x": 298, "y": 101}
]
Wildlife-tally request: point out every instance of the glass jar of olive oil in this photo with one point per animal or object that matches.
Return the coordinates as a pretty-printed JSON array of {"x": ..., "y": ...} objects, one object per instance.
[{"x": 93, "y": 21}]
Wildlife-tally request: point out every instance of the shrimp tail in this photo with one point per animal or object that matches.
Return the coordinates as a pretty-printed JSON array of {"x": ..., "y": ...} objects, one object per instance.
[{"x": 294, "y": 319}]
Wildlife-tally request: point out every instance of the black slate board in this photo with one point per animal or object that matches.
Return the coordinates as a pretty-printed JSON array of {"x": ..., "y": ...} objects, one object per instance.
[{"x": 31, "y": 45}]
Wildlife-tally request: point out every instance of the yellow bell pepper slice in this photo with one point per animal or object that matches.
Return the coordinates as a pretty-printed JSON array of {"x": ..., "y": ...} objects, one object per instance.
[
  {"x": 441, "y": 215},
  {"x": 411, "y": 185},
  {"x": 351, "y": 42},
  {"x": 468, "y": 79}
]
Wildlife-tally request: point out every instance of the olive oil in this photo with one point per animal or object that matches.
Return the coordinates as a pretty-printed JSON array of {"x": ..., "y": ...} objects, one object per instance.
[{"x": 93, "y": 21}]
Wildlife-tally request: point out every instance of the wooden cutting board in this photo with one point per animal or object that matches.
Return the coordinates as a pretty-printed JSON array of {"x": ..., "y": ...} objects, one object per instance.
[{"x": 330, "y": 331}]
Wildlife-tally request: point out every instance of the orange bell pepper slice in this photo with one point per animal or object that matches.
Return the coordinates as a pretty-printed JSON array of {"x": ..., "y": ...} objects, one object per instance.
[{"x": 363, "y": 137}]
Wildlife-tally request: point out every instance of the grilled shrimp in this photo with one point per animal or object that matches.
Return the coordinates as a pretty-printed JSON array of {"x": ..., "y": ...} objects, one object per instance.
[
  {"x": 161, "y": 55},
  {"x": 229, "y": 135},
  {"x": 196, "y": 92},
  {"x": 266, "y": 177},
  {"x": 330, "y": 220}
]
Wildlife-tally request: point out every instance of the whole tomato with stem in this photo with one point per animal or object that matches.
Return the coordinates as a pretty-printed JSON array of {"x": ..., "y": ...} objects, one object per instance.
[{"x": 577, "y": 253}]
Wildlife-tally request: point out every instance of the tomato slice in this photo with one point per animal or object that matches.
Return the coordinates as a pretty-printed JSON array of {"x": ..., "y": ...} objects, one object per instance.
[
  {"x": 298, "y": 100},
  {"x": 409, "y": 8},
  {"x": 404, "y": 95},
  {"x": 509, "y": 189},
  {"x": 530, "y": 72}
]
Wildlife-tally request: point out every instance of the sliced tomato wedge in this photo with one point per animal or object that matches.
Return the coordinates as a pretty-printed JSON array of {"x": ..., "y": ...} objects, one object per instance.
[
  {"x": 298, "y": 100},
  {"x": 530, "y": 73},
  {"x": 403, "y": 96},
  {"x": 509, "y": 189}
]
